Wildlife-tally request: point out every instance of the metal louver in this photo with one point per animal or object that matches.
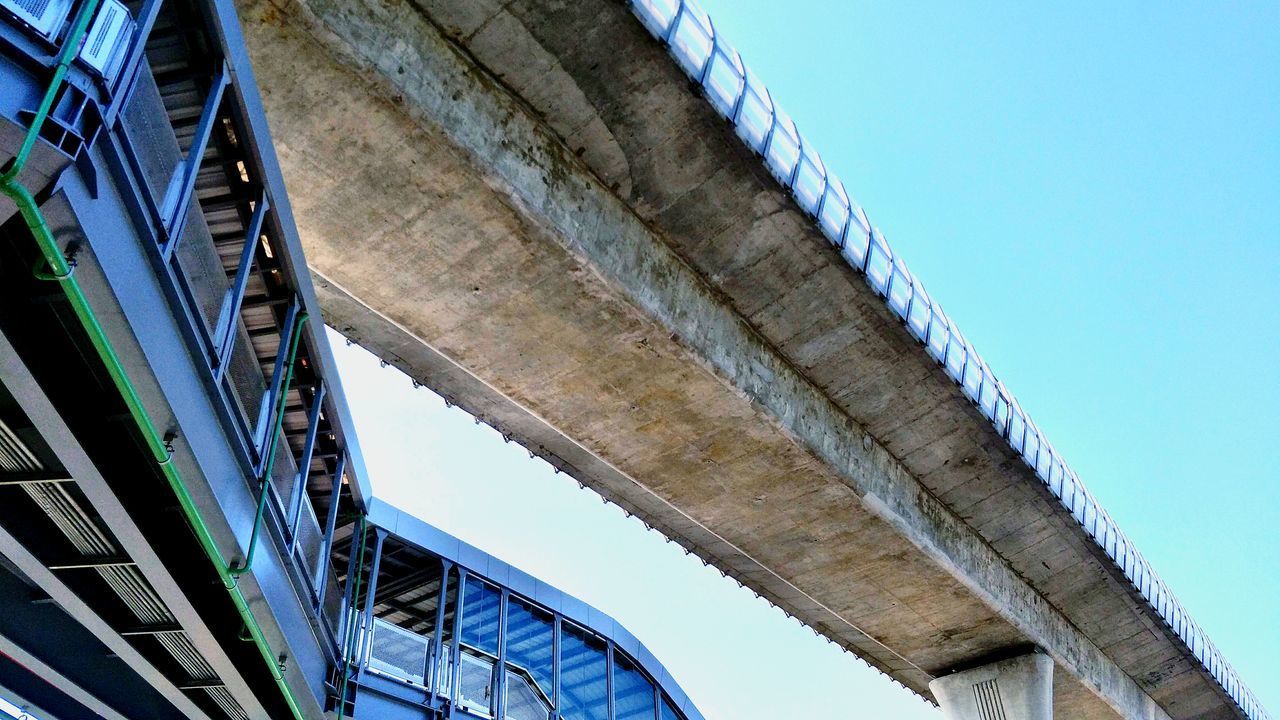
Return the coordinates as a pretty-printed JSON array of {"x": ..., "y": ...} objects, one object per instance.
[
  {"x": 126, "y": 581},
  {"x": 104, "y": 47},
  {"x": 45, "y": 16}
]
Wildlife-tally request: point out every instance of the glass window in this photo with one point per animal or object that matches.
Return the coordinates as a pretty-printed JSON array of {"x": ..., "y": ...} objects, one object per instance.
[
  {"x": 755, "y": 115},
  {"x": 899, "y": 295},
  {"x": 972, "y": 373},
  {"x": 1001, "y": 416},
  {"x": 531, "y": 642},
  {"x": 657, "y": 14},
  {"x": 480, "y": 609},
  {"x": 879, "y": 263},
  {"x": 783, "y": 149},
  {"x": 835, "y": 211},
  {"x": 478, "y": 634},
  {"x": 918, "y": 315},
  {"x": 955, "y": 355},
  {"x": 524, "y": 701},
  {"x": 1032, "y": 446},
  {"x": 633, "y": 697},
  {"x": 724, "y": 79},
  {"x": 939, "y": 334},
  {"x": 811, "y": 181},
  {"x": 668, "y": 711},
  {"x": 691, "y": 43},
  {"x": 583, "y": 676},
  {"x": 987, "y": 395},
  {"x": 856, "y": 237}
]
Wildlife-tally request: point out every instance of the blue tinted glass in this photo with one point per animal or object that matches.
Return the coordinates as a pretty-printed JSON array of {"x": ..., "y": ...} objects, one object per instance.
[
  {"x": 530, "y": 642},
  {"x": 583, "y": 677},
  {"x": 632, "y": 692},
  {"x": 668, "y": 711},
  {"x": 480, "y": 608}
]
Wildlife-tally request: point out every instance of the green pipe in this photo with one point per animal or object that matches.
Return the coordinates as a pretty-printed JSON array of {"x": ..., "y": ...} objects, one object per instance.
[
  {"x": 79, "y": 26},
  {"x": 350, "y": 640},
  {"x": 264, "y": 478},
  {"x": 60, "y": 272}
]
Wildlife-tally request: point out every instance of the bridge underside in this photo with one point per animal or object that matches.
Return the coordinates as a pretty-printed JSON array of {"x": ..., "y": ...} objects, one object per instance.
[{"x": 527, "y": 210}]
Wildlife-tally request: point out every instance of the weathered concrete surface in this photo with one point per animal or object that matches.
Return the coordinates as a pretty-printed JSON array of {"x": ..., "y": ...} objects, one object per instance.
[
  {"x": 540, "y": 221},
  {"x": 1019, "y": 687}
]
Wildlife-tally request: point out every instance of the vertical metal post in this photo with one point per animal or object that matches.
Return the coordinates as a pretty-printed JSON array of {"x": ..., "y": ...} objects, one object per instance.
[
  {"x": 455, "y": 651},
  {"x": 299, "y": 495},
  {"x": 499, "y": 697},
  {"x": 437, "y": 645},
  {"x": 348, "y": 593},
  {"x": 380, "y": 536},
  {"x": 608, "y": 674},
  {"x": 224, "y": 336},
  {"x": 271, "y": 400},
  {"x": 326, "y": 537},
  {"x": 555, "y": 665},
  {"x": 178, "y": 196}
]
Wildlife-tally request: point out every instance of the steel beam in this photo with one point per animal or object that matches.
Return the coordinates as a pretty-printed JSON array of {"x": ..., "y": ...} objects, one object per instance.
[
  {"x": 72, "y": 456},
  {"x": 64, "y": 684},
  {"x": 78, "y": 609}
]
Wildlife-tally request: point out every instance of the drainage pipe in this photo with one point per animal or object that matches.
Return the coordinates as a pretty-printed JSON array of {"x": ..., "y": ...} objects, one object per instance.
[{"x": 61, "y": 272}]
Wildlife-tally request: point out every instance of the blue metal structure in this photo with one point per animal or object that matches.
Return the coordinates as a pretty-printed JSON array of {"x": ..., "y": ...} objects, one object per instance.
[
  {"x": 244, "y": 571},
  {"x": 738, "y": 96},
  {"x": 444, "y": 628}
]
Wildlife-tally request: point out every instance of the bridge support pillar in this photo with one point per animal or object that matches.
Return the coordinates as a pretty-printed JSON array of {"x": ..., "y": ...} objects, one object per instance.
[{"x": 1019, "y": 688}]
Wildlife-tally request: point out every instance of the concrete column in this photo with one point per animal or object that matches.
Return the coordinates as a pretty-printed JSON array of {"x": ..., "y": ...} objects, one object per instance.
[{"x": 1019, "y": 688}]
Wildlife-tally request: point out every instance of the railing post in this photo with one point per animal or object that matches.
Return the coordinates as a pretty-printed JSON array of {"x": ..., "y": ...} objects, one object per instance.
[
  {"x": 455, "y": 651},
  {"x": 304, "y": 465},
  {"x": 348, "y": 593},
  {"x": 181, "y": 186},
  {"x": 380, "y": 537},
  {"x": 557, "y": 631},
  {"x": 321, "y": 577},
  {"x": 270, "y": 401},
  {"x": 500, "y": 678},
  {"x": 437, "y": 645},
  {"x": 224, "y": 336}
]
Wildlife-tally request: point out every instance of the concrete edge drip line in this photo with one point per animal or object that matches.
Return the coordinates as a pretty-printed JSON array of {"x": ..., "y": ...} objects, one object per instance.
[{"x": 459, "y": 368}]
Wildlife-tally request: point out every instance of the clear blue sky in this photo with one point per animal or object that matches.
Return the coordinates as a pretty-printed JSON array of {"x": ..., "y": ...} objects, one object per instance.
[{"x": 1093, "y": 193}]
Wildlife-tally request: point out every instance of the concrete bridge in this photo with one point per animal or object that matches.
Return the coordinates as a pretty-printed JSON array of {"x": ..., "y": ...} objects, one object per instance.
[
  {"x": 586, "y": 224},
  {"x": 531, "y": 208}
]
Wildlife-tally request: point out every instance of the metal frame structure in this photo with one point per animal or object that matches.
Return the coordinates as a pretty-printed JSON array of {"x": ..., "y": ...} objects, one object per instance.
[
  {"x": 738, "y": 96},
  {"x": 427, "y": 557},
  {"x": 190, "y": 281}
]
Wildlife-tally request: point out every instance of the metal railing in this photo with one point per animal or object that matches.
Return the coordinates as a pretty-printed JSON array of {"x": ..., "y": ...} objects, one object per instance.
[{"x": 741, "y": 98}]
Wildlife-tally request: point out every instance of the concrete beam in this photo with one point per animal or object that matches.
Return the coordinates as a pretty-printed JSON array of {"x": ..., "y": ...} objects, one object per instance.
[
  {"x": 614, "y": 312},
  {"x": 1019, "y": 688}
]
